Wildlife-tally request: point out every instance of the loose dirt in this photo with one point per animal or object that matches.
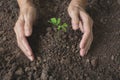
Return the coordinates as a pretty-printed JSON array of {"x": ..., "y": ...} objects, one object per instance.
[{"x": 57, "y": 58}]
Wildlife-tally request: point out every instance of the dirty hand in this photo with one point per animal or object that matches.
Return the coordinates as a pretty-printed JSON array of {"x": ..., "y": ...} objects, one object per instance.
[
  {"x": 23, "y": 26},
  {"x": 81, "y": 20}
]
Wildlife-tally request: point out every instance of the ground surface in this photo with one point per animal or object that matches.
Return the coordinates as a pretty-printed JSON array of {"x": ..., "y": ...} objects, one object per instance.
[{"x": 58, "y": 58}]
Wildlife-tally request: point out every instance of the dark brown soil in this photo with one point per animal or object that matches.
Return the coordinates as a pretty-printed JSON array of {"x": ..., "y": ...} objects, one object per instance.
[{"x": 57, "y": 58}]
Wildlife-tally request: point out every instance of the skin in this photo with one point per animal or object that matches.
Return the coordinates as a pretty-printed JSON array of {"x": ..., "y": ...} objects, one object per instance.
[{"x": 79, "y": 19}]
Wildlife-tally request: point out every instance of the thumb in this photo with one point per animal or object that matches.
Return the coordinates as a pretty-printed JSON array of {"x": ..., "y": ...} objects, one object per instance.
[
  {"x": 28, "y": 27},
  {"x": 75, "y": 20}
]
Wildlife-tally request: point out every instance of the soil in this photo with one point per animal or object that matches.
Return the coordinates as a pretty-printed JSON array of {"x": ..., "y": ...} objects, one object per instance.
[{"x": 57, "y": 58}]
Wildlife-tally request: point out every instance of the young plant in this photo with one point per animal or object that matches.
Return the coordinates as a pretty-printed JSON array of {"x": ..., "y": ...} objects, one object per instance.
[{"x": 57, "y": 22}]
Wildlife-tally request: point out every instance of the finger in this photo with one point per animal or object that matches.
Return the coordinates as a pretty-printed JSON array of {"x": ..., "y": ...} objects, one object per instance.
[
  {"x": 86, "y": 21},
  {"x": 21, "y": 46},
  {"x": 90, "y": 42},
  {"x": 84, "y": 51},
  {"x": 28, "y": 29},
  {"x": 30, "y": 18},
  {"x": 84, "y": 40},
  {"x": 75, "y": 19},
  {"x": 28, "y": 25},
  {"x": 87, "y": 28},
  {"x": 25, "y": 45},
  {"x": 26, "y": 48}
]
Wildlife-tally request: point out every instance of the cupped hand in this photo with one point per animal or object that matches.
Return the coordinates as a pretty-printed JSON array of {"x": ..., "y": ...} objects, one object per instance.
[
  {"x": 23, "y": 28},
  {"x": 81, "y": 20}
]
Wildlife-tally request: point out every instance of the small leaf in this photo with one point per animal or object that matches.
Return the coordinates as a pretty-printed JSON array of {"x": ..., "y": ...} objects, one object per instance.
[
  {"x": 53, "y": 21},
  {"x": 64, "y": 29},
  {"x": 59, "y": 28},
  {"x": 65, "y": 25},
  {"x": 58, "y": 21}
]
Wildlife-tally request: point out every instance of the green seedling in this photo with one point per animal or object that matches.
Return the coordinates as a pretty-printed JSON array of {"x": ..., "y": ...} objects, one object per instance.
[{"x": 57, "y": 22}]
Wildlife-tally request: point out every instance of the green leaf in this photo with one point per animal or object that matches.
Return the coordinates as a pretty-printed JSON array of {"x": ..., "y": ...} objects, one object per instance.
[
  {"x": 53, "y": 21},
  {"x": 58, "y": 21},
  {"x": 65, "y": 25},
  {"x": 59, "y": 28},
  {"x": 64, "y": 29}
]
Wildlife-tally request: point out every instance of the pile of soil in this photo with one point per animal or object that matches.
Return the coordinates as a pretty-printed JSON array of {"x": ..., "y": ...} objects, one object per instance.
[{"x": 57, "y": 57}]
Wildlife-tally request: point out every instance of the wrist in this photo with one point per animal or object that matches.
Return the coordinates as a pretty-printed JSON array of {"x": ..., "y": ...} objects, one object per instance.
[
  {"x": 79, "y": 3},
  {"x": 23, "y": 3}
]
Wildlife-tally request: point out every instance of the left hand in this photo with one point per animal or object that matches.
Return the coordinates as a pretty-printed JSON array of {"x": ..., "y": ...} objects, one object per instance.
[{"x": 81, "y": 20}]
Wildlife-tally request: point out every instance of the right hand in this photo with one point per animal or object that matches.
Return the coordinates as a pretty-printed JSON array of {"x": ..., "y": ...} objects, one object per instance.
[
  {"x": 81, "y": 20},
  {"x": 23, "y": 28}
]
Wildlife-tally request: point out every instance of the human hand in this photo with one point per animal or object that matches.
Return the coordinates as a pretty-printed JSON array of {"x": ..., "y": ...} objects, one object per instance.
[
  {"x": 81, "y": 20},
  {"x": 23, "y": 28}
]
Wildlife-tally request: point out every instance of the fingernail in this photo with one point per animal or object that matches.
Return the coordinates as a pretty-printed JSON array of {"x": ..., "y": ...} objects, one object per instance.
[
  {"x": 27, "y": 33},
  {"x": 82, "y": 54},
  {"x": 31, "y": 58}
]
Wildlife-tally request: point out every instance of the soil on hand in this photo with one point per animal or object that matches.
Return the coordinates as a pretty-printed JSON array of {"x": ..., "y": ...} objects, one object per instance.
[{"x": 57, "y": 56}]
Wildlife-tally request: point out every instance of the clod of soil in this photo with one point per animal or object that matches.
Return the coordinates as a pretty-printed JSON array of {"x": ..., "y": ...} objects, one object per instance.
[
  {"x": 44, "y": 75},
  {"x": 19, "y": 71},
  {"x": 1, "y": 49},
  {"x": 94, "y": 62},
  {"x": 112, "y": 57},
  {"x": 1, "y": 32}
]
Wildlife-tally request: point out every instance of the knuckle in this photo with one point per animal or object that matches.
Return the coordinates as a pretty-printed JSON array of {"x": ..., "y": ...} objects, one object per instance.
[
  {"x": 72, "y": 10},
  {"x": 14, "y": 28},
  {"x": 16, "y": 24}
]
